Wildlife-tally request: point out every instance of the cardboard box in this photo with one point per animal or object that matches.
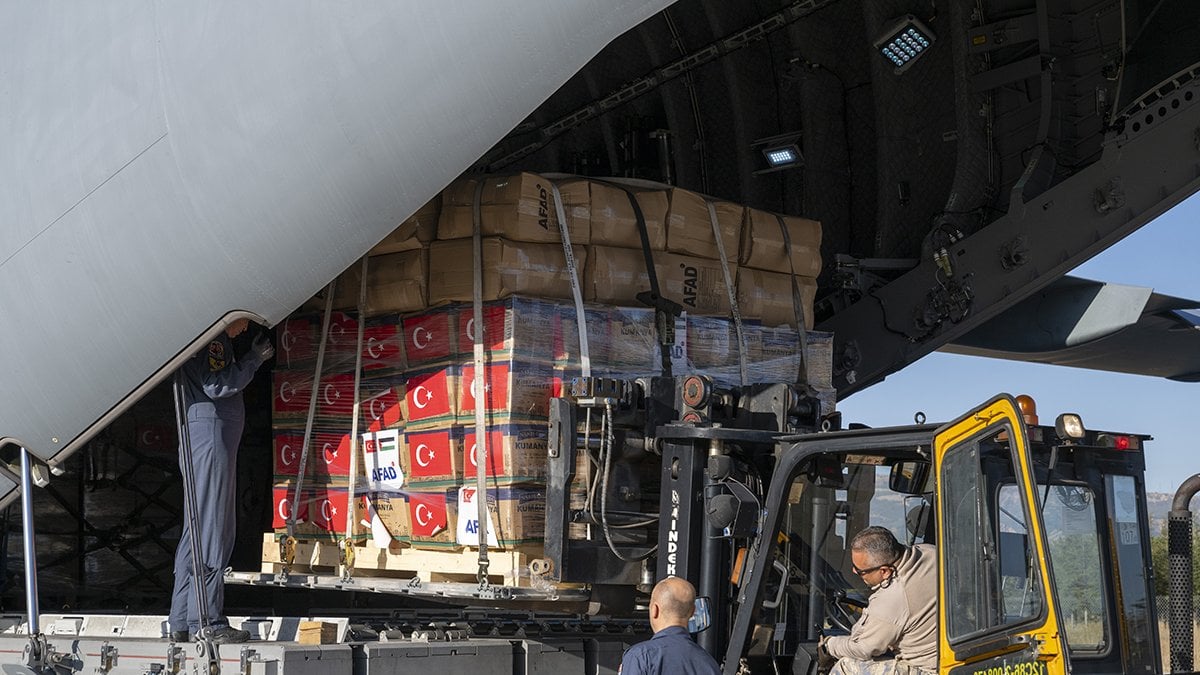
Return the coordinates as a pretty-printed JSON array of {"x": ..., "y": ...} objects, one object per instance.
[
  {"x": 516, "y": 453},
  {"x": 614, "y": 222},
  {"x": 432, "y": 521},
  {"x": 392, "y": 511},
  {"x": 316, "y": 633},
  {"x": 322, "y": 511},
  {"x": 434, "y": 455},
  {"x": 519, "y": 207},
  {"x": 567, "y": 348},
  {"x": 509, "y": 268},
  {"x": 689, "y": 226},
  {"x": 429, "y": 337},
  {"x": 417, "y": 230},
  {"x": 763, "y": 244},
  {"x": 615, "y": 276},
  {"x": 516, "y": 515},
  {"x": 512, "y": 389},
  {"x": 396, "y": 282},
  {"x": 712, "y": 346},
  {"x": 633, "y": 340},
  {"x": 767, "y": 296},
  {"x": 431, "y": 397}
]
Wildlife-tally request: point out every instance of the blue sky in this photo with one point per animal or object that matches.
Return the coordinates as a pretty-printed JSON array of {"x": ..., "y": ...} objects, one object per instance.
[{"x": 1164, "y": 255}]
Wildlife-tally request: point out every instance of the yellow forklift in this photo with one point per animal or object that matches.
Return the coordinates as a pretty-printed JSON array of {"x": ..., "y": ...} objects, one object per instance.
[{"x": 1041, "y": 533}]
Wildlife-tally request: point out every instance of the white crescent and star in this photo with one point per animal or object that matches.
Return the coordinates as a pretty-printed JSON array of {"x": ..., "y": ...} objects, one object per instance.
[
  {"x": 336, "y": 394},
  {"x": 423, "y": 520},
  {"x": 283, "y": 391},
  {"x": 417, "y": 396},
  {"x": 287, "y": 455},
  {"x": 417, "y": 340},
  {"x": 422, "y": 458},
  {"x": 371, "y": 344},
  {"x": 330, "y": 457}
]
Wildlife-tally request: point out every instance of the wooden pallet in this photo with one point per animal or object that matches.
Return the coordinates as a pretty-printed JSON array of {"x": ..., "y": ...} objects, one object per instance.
[{"x": 509, "y": 567}]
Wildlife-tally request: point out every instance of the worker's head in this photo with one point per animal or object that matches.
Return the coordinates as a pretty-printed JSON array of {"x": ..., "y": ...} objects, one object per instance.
[
  {"x": 237, "y": 327},
  {"x": 874, "y": 552},
  {"x": 672, "y": 603}
]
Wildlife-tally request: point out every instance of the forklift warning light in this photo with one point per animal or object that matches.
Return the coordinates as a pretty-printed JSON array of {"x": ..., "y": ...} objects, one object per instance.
[{"x": 1118, "y": 442}]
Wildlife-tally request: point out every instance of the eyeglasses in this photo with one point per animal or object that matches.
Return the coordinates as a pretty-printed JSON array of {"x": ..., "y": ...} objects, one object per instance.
[{"x": 863, "y": 573}]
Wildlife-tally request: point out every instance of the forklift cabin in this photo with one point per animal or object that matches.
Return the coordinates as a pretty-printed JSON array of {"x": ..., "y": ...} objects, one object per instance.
[{"x": 1041, "y": 534}]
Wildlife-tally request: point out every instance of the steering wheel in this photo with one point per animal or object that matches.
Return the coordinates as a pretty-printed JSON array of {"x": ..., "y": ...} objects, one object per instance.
[{"x": 842, "y": 611}]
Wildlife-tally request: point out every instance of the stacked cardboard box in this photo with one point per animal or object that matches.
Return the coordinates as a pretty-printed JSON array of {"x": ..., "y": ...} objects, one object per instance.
[{"x": 419, "y": 451}]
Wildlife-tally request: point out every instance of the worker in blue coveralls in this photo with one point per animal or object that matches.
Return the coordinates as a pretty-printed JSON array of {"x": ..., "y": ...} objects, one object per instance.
[
  {"x": 672, "y": 649},
  {"x": 213, "y": 381}
]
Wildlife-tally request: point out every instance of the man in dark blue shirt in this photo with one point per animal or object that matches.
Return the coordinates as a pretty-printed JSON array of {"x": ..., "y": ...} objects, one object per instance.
[{"x": 672, "y": 649}]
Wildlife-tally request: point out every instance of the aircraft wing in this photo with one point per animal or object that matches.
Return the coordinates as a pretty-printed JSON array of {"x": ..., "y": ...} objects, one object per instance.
[{"x": 1100, "y": 326}]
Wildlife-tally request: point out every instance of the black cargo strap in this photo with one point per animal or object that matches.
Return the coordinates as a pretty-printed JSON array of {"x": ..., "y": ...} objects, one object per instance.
[
  {"x": 731, "y": 290},
  {"x": 665, "y": 310},
  {"x": 797, "y": 303}
]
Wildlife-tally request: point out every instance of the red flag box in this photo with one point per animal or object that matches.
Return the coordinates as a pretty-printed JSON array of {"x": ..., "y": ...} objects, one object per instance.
[
  {"x": 321, "y": 512},
  {"x": 431, "y": 519},
  {"x": 383, "y": 347},
  {"x": 288, "y": 445},
  {"x": 291, "y": 390},
  {"x": 429, "y": 337},
  {"x": 335, "y": 399},
  {"x": 516, "y": 453},
  {"x": 523, "y": 327},
  {"x": 298, "y": 339},
  {"x": 434, "y": 455},
  {"x": 519, "y": 389},
  {"x": 430, "y": 396},
  {"x": 328, "y": 455},
  {"x": 382, "y": 404}
]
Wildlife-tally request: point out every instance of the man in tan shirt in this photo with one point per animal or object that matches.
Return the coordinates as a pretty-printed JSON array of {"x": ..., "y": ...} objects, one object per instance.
[{"x": 897, "y": 633}]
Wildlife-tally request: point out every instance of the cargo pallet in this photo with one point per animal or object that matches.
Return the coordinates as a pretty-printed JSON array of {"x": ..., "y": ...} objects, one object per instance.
[{"x": 410, "y": 571}]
